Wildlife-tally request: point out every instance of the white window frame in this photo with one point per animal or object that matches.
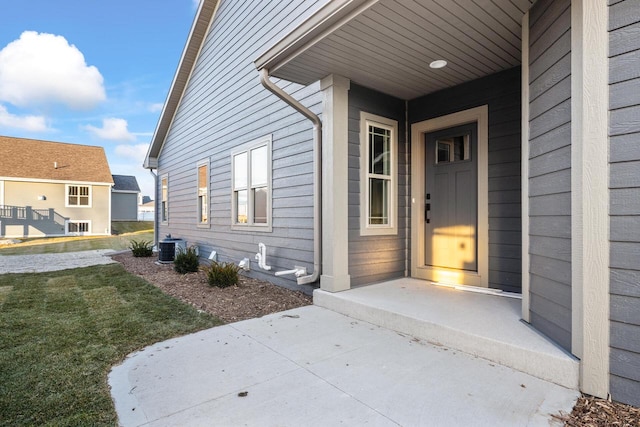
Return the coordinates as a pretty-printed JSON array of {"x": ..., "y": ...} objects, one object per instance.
[
  {"x": 77, "y": 221},
  {"x": 366, "y": 229},
  {"x": 203, "y": 224},
  {"x": 66, "y": 196},
  {"x": 250, "y": 225},
  {"x": 164, "y": 219}
]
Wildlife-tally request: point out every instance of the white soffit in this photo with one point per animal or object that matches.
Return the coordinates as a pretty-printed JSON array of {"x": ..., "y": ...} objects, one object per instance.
[{"x": 390, "y": 45}]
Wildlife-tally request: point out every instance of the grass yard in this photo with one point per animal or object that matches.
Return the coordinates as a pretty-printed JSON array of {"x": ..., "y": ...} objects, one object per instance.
[
  {"x": 122, "y": 227},
  {"x": 61, "y": 332},
  {"x": 126, "y": 231}
]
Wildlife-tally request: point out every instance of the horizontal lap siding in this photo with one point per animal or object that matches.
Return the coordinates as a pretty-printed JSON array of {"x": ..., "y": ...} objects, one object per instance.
[
  {"x": 624, "y": 183},
  {"x": 376, "y": 258},
  {"x": 501, "y": 92},
  {"x": 550, "y": 169},
  {"x": 225, "y": 106}
]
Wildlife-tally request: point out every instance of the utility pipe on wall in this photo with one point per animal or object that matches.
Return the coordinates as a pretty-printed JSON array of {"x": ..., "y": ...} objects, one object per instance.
[
  {"x": 317, "y": 173},
  {"x": 156, "y": 211}
]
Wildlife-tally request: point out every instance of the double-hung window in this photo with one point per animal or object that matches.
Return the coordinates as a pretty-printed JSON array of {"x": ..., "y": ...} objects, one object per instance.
[
  {"x": 251, "y": 186},
  {"x": 203, "y": 193},
  {"x": 164, "y": 204},
  {"x": 78, "y": 195},
  {"x": 378, "y": 175}
]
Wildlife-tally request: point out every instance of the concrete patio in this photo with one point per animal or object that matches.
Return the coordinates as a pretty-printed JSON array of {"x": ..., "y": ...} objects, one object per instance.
[{"x": 315, "y": 367}]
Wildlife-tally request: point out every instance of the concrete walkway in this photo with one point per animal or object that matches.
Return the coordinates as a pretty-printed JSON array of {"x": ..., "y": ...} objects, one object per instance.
[
  {"x": 53, "y": 262},
  {"x": 314, "y": 367}
]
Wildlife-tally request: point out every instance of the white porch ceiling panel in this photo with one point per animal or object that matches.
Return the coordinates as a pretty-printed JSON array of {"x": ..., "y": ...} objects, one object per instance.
[{"x": 390, "y": 45}]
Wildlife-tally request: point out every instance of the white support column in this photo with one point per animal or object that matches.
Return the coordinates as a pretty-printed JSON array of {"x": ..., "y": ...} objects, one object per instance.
[
  {"x": 335, "y": 205},
  {"x": 590, "y": 194}
]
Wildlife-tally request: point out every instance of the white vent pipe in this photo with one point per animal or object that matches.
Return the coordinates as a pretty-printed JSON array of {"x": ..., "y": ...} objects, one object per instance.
[
  {"x": 261, "y": 256},
  {"x": 317, "y": 173}
]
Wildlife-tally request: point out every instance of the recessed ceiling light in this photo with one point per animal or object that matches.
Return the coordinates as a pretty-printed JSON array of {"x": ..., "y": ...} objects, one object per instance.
[{"x": 438, "y": 64}]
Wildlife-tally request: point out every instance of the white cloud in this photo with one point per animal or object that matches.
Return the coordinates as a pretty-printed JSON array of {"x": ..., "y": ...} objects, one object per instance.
[
  {"x": 28, "y": 123},
  {"x": 112, "y": 129},
  {"x": 42, "y": 69},
  {"x": 154, "y": 108},
  {"x": 136, "y": 153}
]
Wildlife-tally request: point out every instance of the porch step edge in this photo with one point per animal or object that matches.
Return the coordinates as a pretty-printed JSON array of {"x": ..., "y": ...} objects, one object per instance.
[{"x": 558, "y": 368}]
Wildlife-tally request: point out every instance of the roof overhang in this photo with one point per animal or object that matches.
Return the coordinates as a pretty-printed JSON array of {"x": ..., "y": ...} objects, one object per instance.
[
  {"x": 388, "y": 45},
  {"x": 199, "y": 30}
]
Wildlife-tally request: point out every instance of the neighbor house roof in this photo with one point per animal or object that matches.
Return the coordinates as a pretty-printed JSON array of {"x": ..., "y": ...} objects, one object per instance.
[
  {"x": 126, "y": 183},
  {"x": 52, "y": 161}
]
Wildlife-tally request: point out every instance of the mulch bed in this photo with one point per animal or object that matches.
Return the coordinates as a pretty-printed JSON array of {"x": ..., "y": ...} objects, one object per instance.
[
  {"x": 251, "y": 298},
  {"x": 593, "y": 412}
]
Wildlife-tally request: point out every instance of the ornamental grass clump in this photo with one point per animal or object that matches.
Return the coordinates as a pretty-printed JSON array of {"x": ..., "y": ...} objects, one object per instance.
[
  {"x": 186, "y": 261},
  {"x": 222, "y": 275},
  {"x": 141, "y": 248}
]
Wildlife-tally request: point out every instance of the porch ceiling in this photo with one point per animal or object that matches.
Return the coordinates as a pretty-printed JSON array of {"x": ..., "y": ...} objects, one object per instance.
[{"x": 388, "y": 44}]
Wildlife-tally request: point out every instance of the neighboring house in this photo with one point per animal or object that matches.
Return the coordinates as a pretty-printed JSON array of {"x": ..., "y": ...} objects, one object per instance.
[
  {"x": 53, "y": 189},
  {"x": 515, "y": 167},
  {"x": 124, "y": 198}
]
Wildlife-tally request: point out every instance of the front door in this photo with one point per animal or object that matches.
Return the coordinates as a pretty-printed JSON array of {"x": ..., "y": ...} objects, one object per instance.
[{"x": 451, "y": 198}]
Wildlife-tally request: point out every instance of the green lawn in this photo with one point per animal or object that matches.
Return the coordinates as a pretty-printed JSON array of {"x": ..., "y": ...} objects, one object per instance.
[
  {"x": 61, "y": 332},
  {"x": 76, "y": 243},
  {"x": 121, "y": 227}
]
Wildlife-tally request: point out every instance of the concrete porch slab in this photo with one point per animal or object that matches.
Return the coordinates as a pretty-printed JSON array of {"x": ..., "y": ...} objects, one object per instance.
[
  {"x": 315, "y": 367},
  {"x": 481, "y": 325}
]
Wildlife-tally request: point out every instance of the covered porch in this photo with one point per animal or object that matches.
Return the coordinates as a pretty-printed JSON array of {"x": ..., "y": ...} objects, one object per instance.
[{"x": 386, "y": 56}]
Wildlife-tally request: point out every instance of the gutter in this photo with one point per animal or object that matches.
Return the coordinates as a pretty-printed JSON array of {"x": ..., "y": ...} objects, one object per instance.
[{"x": 317, "y": 173}]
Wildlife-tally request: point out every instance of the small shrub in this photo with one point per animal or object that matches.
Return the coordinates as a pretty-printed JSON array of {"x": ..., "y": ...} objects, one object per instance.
[
  {"x": 186, "y": 261},
  {"x": 223, "y": 274},
  {"x": 141, "y": 248}
]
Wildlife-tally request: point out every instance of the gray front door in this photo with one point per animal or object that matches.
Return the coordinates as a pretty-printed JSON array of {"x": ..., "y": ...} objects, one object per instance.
[{"x": 451, "y": 198}]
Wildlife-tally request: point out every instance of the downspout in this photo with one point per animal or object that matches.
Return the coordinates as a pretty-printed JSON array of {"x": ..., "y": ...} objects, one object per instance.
[
  {"x": 317, "y": 173},
  {"x": 156, "y": 211}
]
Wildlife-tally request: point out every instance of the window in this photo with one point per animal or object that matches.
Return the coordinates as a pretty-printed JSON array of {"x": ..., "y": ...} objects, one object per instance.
[
  {"x": 251, "y": 185},
  {"x": 378, "y": 175},
  {"x": 453, "y": 149},
  {"x": 164, "y": 205},
  {"x": 203, "y": 193},
  {"x": 78, "y": 227},
  {"x": 78, "y": 195}
]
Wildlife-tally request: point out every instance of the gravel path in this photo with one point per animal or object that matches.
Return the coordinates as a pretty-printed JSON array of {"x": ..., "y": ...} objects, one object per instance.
[{"x": 53, "y": 262}]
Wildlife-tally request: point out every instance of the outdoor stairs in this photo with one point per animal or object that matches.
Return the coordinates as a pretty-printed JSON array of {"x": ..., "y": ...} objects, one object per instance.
[{"x": 482, "y": 325}]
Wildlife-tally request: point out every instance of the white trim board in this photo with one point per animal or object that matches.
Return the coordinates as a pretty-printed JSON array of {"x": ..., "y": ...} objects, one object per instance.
[
  {"x": 589, "y": 194},
  {"x": 418, "y": 269},
  {"x": 525, "y": 170}
]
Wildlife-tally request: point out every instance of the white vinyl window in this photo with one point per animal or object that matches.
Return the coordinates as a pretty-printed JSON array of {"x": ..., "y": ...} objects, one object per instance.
[
  {"x": 251, "y": 186},
  {"x": 164, "y": 203},
  {"x": 203, "y": 193},
  {"x": 78, "y": 196},
  {"x": 78, "y": 227},
  {"x": 378, "y": 175}
]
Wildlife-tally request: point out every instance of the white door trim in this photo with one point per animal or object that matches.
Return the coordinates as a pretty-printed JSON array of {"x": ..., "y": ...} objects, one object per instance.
[{"x": 418, "y": 268}]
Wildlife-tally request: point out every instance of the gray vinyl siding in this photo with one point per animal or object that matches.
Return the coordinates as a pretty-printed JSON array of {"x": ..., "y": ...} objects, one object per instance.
[
  {"x": 223, "y": 107},
  {"x": 124, "y": 207},
  {"x": 624, "y": 183},
  {"x": 502, "y": 93},
  {"x": 376, "y": 258},
  {"x": 550, "y": 169}
]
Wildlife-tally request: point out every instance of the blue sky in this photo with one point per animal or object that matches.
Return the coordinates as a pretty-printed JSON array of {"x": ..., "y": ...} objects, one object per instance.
[{"x": 91, "y": 72}]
